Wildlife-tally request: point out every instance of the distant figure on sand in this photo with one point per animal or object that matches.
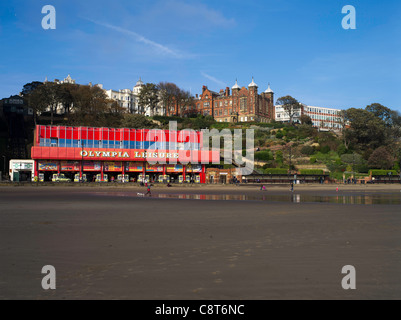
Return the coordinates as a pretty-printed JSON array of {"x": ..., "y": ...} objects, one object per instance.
[
  {"x": 292, "y": 186},
  {"x": 262, "y": 187},
  {"x": 148, "y": 192}
]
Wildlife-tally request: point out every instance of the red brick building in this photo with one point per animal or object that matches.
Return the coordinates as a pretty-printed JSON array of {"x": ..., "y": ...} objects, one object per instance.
[{"x": 241, "y": 105}]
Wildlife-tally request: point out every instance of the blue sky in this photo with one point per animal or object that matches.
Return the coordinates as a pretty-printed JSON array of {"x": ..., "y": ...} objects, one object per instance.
[{"x": 298, "y": 46}]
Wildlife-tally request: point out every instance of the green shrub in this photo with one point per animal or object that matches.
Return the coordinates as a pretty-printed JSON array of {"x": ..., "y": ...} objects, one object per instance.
[
  {"x": 383, "y": 172},
  {"x": 275, "y": 171},
  {"x": 342, "y": 150},
  {"x": 362, "y": 168},
  {"x": 307, "y": 150},
  {"x": 325, "y": 149},
  {"x": 263, "y": 156},
  {"x": 311, "y": 171},
  {"x": 312, "y": 160},
  {"x": 279, "y": 135},
  {"x": 279, "y": 156}
]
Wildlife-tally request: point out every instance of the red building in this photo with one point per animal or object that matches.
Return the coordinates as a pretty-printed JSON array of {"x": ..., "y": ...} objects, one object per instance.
[
  {"x": 106, "y": 154},
  {"x": 241, "y": 105}
]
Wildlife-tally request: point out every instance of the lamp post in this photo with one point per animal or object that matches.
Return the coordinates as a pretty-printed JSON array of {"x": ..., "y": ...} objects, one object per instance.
[
  {"x": 4, "y": 166},
  {"x": 290, "y": 156},
  {"x": 82, "y": 161}
]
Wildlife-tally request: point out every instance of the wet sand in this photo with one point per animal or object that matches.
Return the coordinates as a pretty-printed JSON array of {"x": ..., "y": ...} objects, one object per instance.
[{"x": 106, "y": 246}]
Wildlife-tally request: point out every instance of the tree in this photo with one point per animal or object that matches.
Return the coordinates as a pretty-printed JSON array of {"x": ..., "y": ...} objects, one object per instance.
[
  {"x": 30, "y": 87},
  {"x": 167, "y": 92},
  {"x": 186, "y": 100},
  {"x": 65, "y": 96},
  {"x": 148, "y": 97},
  {"x": 381, "y": 112},
  {"x": 90, "y": 107},
  {"x": 306, "y": 120},
  {"x": 33, "y": 94},
  {"x": 366, "y": 131},
  {"x": 51, "y": 97},
  {"x": 381, "y": 158},
  {"x": 290, "y": 105},
  {"x": 136, "y": 121}
]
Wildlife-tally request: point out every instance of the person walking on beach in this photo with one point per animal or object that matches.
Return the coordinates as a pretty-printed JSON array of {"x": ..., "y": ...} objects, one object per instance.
[
  {"x": 148, "y": 191},
  {"x": 292, "y": 186}
]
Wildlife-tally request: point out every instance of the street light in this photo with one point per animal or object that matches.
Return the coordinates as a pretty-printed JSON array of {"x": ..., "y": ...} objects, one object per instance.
[
  {"x": 82, "y": 161},
  {"x": 4, "y": 165}
]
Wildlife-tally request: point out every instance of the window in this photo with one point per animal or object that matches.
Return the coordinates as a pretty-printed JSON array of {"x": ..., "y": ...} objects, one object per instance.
[
  {"x": 243, "y": 104},
  {"x": 225, "y": 112},
  {"x": 231, "y": 102},
  {"x": 53, "y": 142},
  {"x": 221, "y": 103},
  {"x": 220, "y": 112},
  {"x": 206, "y": 104},
  {"x": 226, "y": 103}
]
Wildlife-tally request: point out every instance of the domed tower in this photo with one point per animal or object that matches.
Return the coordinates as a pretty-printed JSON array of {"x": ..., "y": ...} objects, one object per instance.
[
  {"x": 135, "y": 101},
  {"x": 253, "y": 97},
  {"x": 138, "y": 86},
  {"x": 235, "y": 96},
  {"x": 269, "y": 96}
]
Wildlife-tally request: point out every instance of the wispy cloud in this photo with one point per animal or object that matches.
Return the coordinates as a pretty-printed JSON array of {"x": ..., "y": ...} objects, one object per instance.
[
  {"x": 211, "y": 78},
  {"x": 187, "y": 15},
  {"x": 162, "y": 49}
]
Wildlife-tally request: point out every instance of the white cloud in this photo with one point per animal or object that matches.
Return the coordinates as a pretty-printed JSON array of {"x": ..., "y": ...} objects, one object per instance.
[
  {"x": 162, "y": 49},
  {"x": 186, "y": 15},
  {"x": 211, "y": 78}
]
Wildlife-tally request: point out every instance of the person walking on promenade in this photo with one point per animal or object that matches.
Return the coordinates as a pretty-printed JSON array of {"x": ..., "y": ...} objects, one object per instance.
[{"x": 292, "y": 186}]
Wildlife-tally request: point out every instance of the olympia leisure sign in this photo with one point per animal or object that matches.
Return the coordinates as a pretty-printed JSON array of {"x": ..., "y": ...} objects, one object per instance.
[{"x": 115, "y": 154}]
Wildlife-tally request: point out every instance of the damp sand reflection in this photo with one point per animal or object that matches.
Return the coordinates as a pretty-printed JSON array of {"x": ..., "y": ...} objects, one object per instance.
[{"x": 352, "y": 199}]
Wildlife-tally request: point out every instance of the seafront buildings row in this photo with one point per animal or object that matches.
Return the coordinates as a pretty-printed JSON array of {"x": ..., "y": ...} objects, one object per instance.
[{"x": 235, "y": 104}]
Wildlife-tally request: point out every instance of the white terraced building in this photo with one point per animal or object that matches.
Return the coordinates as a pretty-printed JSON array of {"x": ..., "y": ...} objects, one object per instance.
[
  {"x": 323, "y": 118},
  {"x": 129, "y": 100}
]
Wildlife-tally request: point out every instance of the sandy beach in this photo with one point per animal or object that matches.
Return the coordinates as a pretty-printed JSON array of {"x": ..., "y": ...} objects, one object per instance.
[{"x": 110, "y": 243}]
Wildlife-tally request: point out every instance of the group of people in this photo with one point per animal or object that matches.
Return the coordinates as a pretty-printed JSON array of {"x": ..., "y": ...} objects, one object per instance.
[
  {"x": 350, "y": 181},
  {"x": 263, "y": 188}
]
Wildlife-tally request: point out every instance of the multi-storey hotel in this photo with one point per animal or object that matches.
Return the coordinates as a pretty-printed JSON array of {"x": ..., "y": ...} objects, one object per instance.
[{"x": 322, "y": 118}]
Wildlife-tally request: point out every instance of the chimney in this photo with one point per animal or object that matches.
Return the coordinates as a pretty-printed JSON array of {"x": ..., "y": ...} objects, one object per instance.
[
  {"x": 203, "y": 89},
  {"x": 221, "y": 91},
  {"x": 227, "y": 91},
  {"x": 196, "y": 96}
]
